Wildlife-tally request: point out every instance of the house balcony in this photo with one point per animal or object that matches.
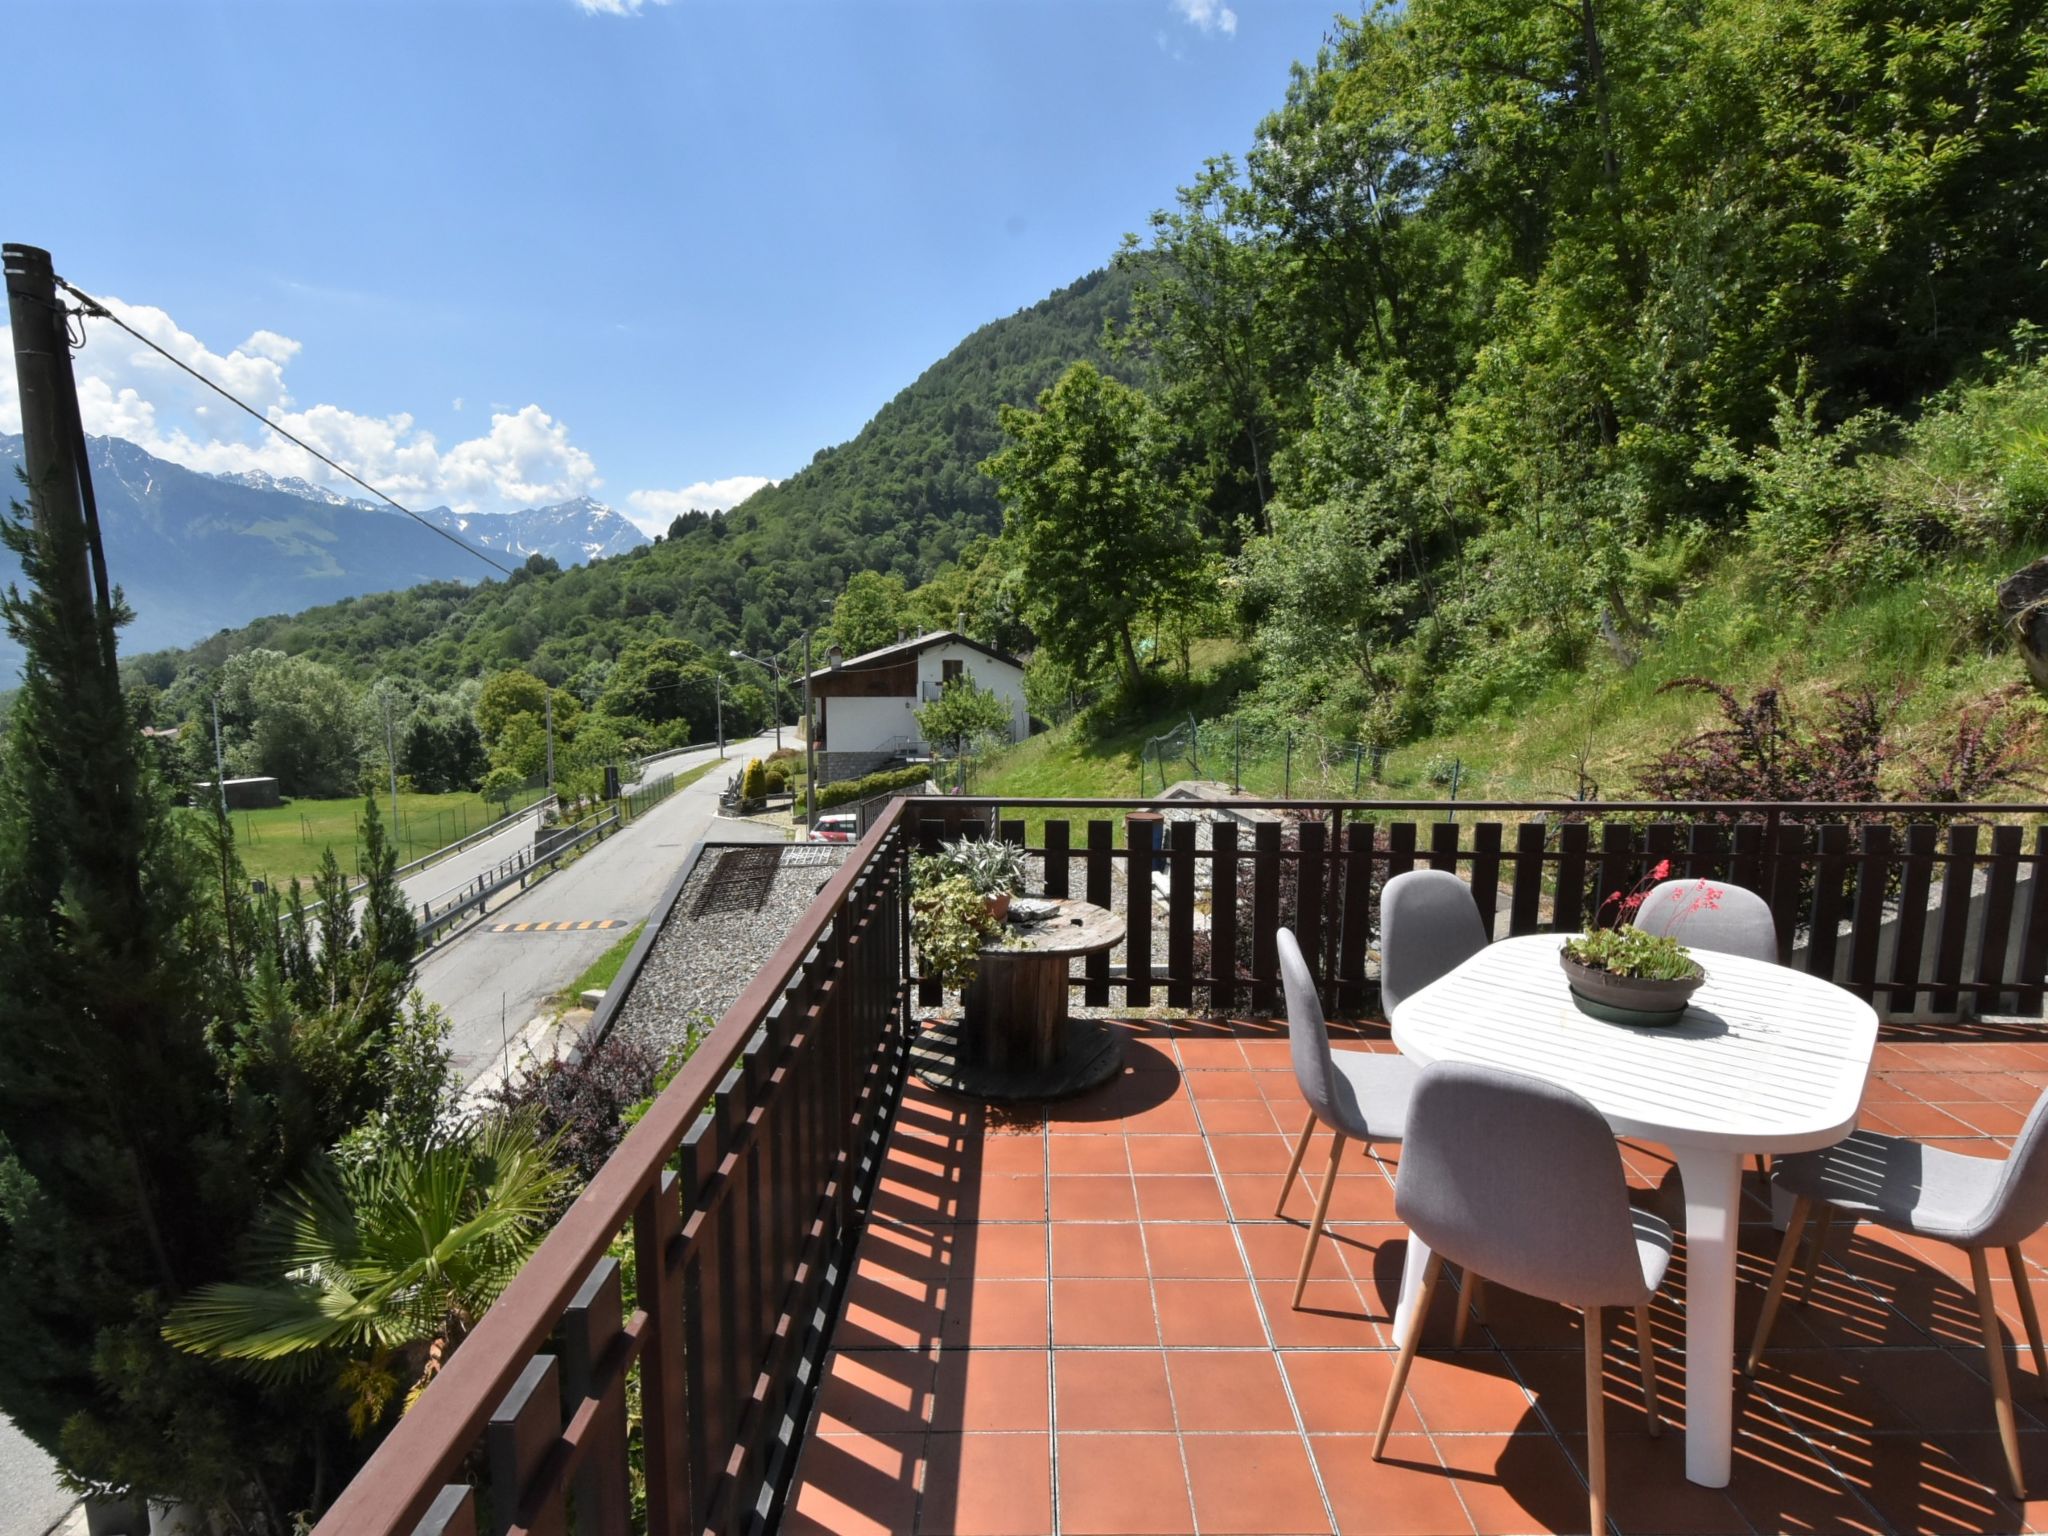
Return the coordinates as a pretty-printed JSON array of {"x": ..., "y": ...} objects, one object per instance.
[{"x": 855, "y": 1303}]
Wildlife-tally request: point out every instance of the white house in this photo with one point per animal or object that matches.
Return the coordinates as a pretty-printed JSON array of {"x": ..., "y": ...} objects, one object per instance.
[{"x": 865, "y": 706}]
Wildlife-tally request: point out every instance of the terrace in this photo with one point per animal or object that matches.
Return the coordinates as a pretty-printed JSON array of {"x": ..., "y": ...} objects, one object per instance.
[{"x": 854, "y": 1303}]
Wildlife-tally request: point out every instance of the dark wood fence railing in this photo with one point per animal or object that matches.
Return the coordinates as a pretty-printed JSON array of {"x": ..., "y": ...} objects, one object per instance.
[
  {"x": 733, "y": 1202},
  {"x": 692, "y": 1274},
  {"x": 1920, "y": 909}
]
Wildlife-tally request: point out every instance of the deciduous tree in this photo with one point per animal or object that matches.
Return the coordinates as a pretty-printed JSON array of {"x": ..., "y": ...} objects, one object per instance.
[{"x": 1096, "y": 532}]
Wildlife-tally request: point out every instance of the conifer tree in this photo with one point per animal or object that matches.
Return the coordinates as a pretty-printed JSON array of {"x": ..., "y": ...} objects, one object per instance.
[{"x": 171, "y": 1054}]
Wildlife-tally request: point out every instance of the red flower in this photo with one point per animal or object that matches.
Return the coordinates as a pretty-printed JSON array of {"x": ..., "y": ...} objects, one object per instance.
[{"x": 1662, "y": 870}]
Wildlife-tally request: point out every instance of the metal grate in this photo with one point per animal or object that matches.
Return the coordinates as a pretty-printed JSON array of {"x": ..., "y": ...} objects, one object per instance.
[{"x": 740, "y": 880}]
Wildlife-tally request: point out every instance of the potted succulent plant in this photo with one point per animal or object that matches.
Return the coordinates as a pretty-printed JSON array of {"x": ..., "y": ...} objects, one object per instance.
[
  {"x": 1626, "y": 975},
  {"x": 994, "y": 868}
]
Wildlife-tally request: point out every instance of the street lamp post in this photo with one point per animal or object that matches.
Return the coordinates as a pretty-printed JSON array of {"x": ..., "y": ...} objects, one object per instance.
[
  {"x": 774, "y": 669},
  {"x": 810, "y": 762}
]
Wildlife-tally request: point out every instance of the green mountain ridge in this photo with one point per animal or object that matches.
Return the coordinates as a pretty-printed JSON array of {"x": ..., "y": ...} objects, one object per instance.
[{"x": 904, "y": 495}]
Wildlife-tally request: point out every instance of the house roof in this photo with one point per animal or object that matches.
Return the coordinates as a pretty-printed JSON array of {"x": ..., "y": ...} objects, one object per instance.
[{"x": 889, "y": 655}]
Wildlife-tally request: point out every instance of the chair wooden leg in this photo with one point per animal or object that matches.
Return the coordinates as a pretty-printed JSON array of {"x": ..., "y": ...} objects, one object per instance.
[
  {"x": 1471, "y": 1298},
  {"x": 1820, "y": 1242},
  {"x": 1315, "y": 1226},
  {"x": 1787, "y": 1252},
  {"x": 2001, "y": 1385},
  {"x": 1646, "y": 1356},
  {"x": 1308, "y": 1129},
  {"x": 2024, "y": 1290},
  {"x": 1596, "y": 1422},
  {"x": 1430, "y": 1273}
]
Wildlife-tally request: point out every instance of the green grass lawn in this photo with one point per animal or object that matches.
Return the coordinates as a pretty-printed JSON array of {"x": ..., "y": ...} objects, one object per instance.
[
  {"x": 290, "y": 839},
  {"x": 603, "y": 971}
]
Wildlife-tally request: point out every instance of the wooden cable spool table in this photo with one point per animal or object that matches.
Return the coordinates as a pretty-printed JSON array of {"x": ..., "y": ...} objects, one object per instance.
[{"x": 1015, "y": 1038}]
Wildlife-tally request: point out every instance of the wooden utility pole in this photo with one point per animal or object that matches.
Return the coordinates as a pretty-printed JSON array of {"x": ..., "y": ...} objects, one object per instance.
[
  {"x": 53, "y": 443},
  {"x": 810, "y": 756}
]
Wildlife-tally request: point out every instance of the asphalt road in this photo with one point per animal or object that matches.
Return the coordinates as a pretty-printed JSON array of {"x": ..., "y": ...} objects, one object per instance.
[
  {"x": 33, "y": 1501},
  {"x": 493, "y": 983}
]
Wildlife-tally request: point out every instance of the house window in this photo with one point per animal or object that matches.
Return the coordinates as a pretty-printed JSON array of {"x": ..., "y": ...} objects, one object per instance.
[{"x": 950, "y": 670}]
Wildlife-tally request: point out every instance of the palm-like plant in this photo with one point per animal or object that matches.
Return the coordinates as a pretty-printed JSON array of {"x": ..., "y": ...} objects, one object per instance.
[{"x": 378, "y": 1268}]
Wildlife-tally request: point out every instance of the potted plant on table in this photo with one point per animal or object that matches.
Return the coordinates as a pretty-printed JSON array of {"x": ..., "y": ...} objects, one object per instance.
[
  {"x": 949, "y": 922},
  {"x": 994, "y": 868},
  {"x": 1624, "y": 974}
]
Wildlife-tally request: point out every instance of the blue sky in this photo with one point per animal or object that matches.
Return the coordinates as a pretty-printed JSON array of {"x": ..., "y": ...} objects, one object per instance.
[{"x": 501, "y": 253}]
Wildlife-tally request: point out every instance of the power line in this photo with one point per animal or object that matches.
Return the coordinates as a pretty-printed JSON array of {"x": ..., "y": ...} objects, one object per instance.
[{"x": 99, "y": 311}]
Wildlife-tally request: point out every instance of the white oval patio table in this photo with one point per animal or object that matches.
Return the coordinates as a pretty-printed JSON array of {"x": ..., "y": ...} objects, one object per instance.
[{"x": 1766, "y": 1059}]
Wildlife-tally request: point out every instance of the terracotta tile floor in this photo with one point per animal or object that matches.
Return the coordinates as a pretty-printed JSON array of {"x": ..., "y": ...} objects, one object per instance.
[{"x": 1077, "y": 1319}]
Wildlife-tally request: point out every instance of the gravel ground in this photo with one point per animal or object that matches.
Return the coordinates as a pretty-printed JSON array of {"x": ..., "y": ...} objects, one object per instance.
[{"x": 699, "y": 965}]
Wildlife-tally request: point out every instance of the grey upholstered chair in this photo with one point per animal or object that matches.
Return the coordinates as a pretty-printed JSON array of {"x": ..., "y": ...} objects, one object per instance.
[
  {"x": 1429, "y": 926},
  {"x": 1739, "y": 923},
  {"x": 1520, "y": 1180},
  {"x": 1359, "y": 1095},
  {"x": 1976, "y": 1203}
]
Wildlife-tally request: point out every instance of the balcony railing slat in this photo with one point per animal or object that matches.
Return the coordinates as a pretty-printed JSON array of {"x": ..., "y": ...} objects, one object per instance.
[
  {"x": 1831, "y": 871},
  {"x": 2034, "y": 948},
  {"x": 1568, "y": 903},
  {"x": 1058, "y": 858},
  {"x": 1784, "y": 856},
  {"x": 1621, "y": 869},
  {"x": 1525, "y": 905},
  {"x": 1180, "y": 913},
  {"x": 1956, "y": 880},
  {"x": 1266, "y": 917},
  {"x": 1916, "y": 877},
  {"x": 1866, "y": 930},
  {"x": 1307, "y": 917},
  {"x": 1223, "y": 917},
  {"x": 1746, "y": 858},
  {"x": 1140, "y": 833},
  {"x": 1333, "y": 908},
  {"x": 594, "y": 1356},
  {"x": 1355, "y": 931},
  {"x": 453, "y": 1513},
  {"x": 2006, "y": 843},
  {"x": 1101, "y": 841},
  {"x": 1706, "y": 851},
  {"x": 1486, "y": 871},
  {"x": 525, "y": 1429},
  {"x": 1400, "y": 848}
]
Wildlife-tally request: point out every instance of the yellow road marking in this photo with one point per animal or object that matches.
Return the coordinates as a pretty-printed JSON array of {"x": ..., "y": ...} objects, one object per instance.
[{"x": 562, "y": 925}]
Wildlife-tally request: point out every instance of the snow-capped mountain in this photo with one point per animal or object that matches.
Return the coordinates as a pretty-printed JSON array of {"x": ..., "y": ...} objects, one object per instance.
[
  {"x": 569, "y": 532},
  {"x": 290, "y": 485}
]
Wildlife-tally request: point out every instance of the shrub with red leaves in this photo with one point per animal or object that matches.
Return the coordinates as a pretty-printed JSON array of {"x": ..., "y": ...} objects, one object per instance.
[
  {"x": 584, "y": 1099},
  {"x": 1763, "y": 751}
]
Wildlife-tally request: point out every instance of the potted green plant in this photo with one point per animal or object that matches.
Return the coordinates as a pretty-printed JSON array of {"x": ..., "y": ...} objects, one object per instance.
[
  {"x": 994, "y": 868},
  {"x": 949, "y": 922},
  {"x": 1626, "y": 975}
]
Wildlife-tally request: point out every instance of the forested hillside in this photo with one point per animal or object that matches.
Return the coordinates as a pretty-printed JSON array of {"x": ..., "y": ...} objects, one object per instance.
[
  {"x": 904, "y": 496},
  {"x": 1517, "y": 327}
]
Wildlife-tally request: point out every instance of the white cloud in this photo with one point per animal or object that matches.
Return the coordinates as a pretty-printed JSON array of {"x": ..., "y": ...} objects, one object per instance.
[
  {"x": 657, "y": 509},
  {"x": 526, "y": 458},
  {"x": 126, "y": 390},
  {"x": 615, "y": 7},
  {"x": 1205, "y": 16}
]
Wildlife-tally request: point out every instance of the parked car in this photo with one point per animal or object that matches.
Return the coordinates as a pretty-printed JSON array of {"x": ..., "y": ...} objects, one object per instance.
[{"x": 842, "y": 828}]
